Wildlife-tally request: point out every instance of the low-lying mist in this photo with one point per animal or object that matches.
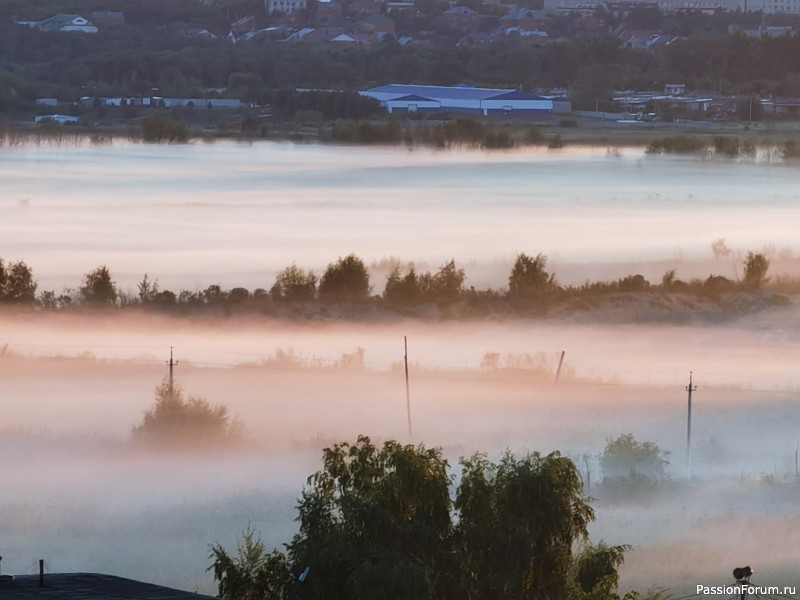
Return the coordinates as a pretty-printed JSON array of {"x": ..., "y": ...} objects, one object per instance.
[{"x": 81, "y": 493}]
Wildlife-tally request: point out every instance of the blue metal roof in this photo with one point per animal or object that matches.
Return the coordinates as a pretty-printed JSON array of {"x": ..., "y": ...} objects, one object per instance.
[
  {"x": 515, "y": 95},
  {"x": 412, "y": 98}
]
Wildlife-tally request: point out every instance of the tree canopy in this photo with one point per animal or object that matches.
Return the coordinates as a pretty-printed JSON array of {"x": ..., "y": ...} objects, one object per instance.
[{"x": 384, "y": 522}]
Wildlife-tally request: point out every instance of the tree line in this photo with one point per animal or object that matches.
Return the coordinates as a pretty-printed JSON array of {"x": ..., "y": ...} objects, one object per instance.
[
  {"x": 347, "y": 280},
  {"x": 134, "y": 60}
]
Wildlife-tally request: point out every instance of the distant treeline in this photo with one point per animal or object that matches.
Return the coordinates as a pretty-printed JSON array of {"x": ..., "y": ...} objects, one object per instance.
[
  {"x": 134, "y": 59},
  {"x": 531, "y": 288},
  {"x": 724, "y": 146}
]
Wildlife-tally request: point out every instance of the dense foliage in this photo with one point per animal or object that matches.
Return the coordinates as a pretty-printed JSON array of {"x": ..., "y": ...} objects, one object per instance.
[
  {"x": 177, "y": 421},
  {"x": 380, "y": 522}
]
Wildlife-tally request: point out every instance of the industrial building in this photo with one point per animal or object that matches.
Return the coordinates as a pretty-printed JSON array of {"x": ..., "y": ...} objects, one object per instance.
[{"x": 459, "y": 99}]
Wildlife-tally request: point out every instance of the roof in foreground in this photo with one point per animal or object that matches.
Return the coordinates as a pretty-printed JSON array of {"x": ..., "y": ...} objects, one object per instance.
[{"x": 90, "y": 586}]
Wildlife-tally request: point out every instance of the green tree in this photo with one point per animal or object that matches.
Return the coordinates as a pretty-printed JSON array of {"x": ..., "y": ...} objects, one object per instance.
[
  {"x": 346, "y": 280},
  {"x": 447, "y": 284},
  {"x": 518, "y": 521},
  {"x": 625, "y": 457},
  {"x": 374, "y": 523},
  {"x": 379, "y": 523},
  {"x": 251, "y": 574},
  {"x": 176, "y": 421},
  {"x": 403, "y": 290},
  {"x": 16, "y": 283},
  {"x": 98, "y": 289},
  {"x": 294, "y": 284},
  {"x": 148, "y": 289},
  {"x": 529, "y": 278},
  {"x": 597, "y": 566},
  {"x": 756, "y": 266}
]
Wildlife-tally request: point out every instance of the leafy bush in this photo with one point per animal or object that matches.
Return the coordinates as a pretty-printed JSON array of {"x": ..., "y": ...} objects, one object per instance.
[
  {"x": 677, "y": 144},
  {"x": 726, "y": 146},
  {"x": 176, "y": 421},
  {"x": 756, "y": 266},
  {"x": 625, "y": 457},
  {"x": 158, "y": 128},
  {"x": 294, "y": 284},
  {"x": 529, "y": 278}
]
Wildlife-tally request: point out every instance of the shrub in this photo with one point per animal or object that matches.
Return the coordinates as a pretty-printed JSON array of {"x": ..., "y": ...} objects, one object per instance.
[
  {"x": 625, "y": 457},
  {"x": 756, "y": 266},
  {"x": 529, "y": 278},
  {"x": 178, "y": 421},
  {"x": 676, "y": 144},
  {"x": 158, "y": 128},
  {"x": 294, "y": 284}
]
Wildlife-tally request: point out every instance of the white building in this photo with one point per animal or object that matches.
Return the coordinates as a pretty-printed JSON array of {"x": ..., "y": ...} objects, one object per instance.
[
  {"x": 284, "y": 6},
  {"x": 458, "y": 99},
  {"x": 62, "y": 23}
]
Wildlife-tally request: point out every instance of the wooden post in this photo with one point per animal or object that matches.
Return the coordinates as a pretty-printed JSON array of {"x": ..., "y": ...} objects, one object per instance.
[
  {"x": 408, "y": 394},
  {"x": 689, "y": 388},
  {"x": 560, "y": 362}
]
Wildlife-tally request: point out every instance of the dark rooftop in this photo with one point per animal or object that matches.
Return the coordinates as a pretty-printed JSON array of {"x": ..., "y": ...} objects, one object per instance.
[{"x": 90, "y": 586}]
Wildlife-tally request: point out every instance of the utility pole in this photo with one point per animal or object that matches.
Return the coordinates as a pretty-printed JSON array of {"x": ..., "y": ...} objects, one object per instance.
[
  {"x": 171, "y": 364},
  {"x": 689, "y": 388},
  {"x": 408, "y": 395},
  {"x": 560, "y": 362}
]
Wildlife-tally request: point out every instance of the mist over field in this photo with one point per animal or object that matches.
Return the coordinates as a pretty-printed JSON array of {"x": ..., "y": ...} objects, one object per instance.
[
  {"x": 77, "y": 491},
  {"x": 234, "y": 214}
]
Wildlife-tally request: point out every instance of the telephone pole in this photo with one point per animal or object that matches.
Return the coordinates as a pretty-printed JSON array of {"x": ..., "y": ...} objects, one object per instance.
[
  {"x": 408, "y": 395},
  {"x": 689, "y": 388},
  {"x": 171, "y": 364}
]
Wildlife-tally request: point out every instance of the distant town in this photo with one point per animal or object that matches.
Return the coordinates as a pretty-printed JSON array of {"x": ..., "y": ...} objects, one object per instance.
[{"x": 250, "y": 65}]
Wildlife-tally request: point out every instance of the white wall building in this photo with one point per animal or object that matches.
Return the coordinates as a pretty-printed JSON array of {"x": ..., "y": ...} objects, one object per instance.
[
  {"x": 284, "y": 6},
  {"x": 458, "y": 99}
]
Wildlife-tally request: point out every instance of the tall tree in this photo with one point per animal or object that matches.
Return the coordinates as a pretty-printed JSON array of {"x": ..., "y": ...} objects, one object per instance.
[{"x": 98, "y": 288}]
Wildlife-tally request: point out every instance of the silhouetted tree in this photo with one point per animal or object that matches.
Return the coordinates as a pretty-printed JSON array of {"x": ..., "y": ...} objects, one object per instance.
[
  {"x": 16, "y": 283},
  {"x": 756, "y": 266},
  {"x": 346, "y": 280},
  {"x": 294, "y": 284},
  {"x": 518, "y": 521},
  {"x": 178, "y": 421},
  {"x": 625, "y": 457},
  {"x": 529, "y": 278},
  {"x": 98, "y": 289}
]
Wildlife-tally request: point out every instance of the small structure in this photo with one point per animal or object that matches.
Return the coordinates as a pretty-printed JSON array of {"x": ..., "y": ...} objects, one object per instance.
[
  {"x": 62, "y": 23},
  {"x": 60, "y": 119},
  {"x": 459, "y": 99},
  {"x": 284, "y": 6}
]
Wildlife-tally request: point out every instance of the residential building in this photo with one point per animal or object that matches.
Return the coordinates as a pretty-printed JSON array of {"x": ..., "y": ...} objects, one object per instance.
[
  {"x": 62, "y": 23},
  {"x": 284, "y": 6}
]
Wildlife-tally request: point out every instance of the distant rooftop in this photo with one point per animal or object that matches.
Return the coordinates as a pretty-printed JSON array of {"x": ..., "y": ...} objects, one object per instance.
[{"x": 90, "y": 586}]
